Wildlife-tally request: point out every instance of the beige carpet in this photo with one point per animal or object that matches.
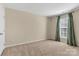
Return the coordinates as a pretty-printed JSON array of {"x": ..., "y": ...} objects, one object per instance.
[{"x": 42, "y": 48}]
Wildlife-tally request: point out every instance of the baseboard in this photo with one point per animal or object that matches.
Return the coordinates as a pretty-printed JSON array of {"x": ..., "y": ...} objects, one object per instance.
[
  {"x": 51, "y": 39},
  {"x": 23, "y": 43}
]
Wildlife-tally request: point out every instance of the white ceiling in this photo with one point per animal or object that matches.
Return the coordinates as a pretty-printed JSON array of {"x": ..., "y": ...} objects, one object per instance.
[{"x": 43, "y": 9}]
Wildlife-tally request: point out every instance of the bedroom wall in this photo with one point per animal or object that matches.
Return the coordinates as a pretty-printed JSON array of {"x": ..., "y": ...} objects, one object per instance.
[
  {"x": 76, "y": 24},
  {"x": 51, "y": 28},
  {"x": 23, "y": 27}
]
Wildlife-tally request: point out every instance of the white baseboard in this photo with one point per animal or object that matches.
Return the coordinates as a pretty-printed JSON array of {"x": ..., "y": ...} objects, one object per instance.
[{"x": 23, "y": 43}]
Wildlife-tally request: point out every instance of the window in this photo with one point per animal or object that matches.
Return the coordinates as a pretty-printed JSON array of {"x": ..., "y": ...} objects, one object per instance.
[{"x": 63, "y": 25}]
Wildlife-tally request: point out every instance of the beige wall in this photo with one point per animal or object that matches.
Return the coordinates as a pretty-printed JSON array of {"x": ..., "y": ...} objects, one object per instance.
[
  {"x": 76, "y": 24},
  {"x": 51, "y": 28},
  {"x": 23, "y": 27}
]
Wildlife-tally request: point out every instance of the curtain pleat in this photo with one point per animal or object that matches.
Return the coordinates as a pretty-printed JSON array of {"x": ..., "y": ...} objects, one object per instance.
[
  {"x": 71, "y": 40},
  {"x": 57, "y": 30}
]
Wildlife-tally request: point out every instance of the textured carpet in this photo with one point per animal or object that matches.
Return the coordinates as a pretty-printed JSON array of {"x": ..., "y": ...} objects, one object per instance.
[{"x": 42, "y": 48}]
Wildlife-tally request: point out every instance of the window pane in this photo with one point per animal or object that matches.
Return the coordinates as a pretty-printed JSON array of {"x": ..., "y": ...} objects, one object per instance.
[{"x": 63, "y": 26}]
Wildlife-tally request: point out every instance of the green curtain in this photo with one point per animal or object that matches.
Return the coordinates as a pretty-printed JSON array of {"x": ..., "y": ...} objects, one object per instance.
[
  {"x": 71, "y": 34},
  {"x": 57, "y": 30}
]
